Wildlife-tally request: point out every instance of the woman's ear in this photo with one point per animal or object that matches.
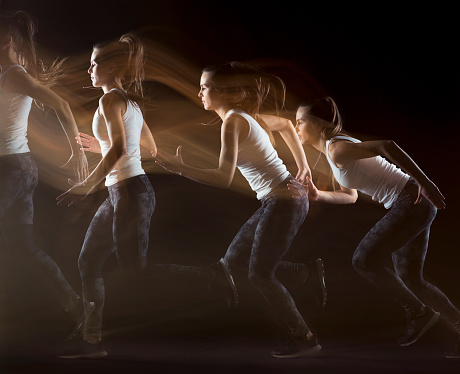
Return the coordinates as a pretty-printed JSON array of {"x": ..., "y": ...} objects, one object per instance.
[
  {"x": 238, "y": 99},
  {"x": 110, "y": 67},
  {"x": 7, "y": 42}
]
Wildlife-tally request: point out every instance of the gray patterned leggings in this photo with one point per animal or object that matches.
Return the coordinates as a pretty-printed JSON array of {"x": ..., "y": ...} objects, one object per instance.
[
  {"x": 121, "y": 226},
  {"x": 18, "y": 179},
  {"x": 403, "y": 233},
  {"x": 263, "y": 241}
]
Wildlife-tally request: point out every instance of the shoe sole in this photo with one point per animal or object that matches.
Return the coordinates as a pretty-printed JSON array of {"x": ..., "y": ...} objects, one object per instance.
[
  {"x": 430, "y": 323},
  {"x": 82, "y": 355},
  {"x": 234, "y": 301},
  {"x": 314, "y": 351},
  {"x": 322, "y": 281},
  {"x": 452, "y": 357}
]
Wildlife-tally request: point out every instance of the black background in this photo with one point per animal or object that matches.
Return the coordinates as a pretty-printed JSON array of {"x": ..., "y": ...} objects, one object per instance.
[{"x": 391, "y": 68}]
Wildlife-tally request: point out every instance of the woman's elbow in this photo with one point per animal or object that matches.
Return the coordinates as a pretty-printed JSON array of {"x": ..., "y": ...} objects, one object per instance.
[
  {"x": 286, "y": 125},
  {"x": 223, "y": 180},
  {"x": 389, "y": 146},
  {"x": 119, "y": 151},
  {"x": 61, "y": 106},
  {"x": 225, "y": 183},
  {"x": 122, "y": 152},
  {"x": 353, "y": 196}
]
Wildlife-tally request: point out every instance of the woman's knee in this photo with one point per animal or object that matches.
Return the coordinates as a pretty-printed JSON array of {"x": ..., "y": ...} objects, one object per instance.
[
  {"x": 358, "y": 261},
  {"x": 19, "y": 238},
  {"x": 88, "y": 268},
  {"x": 259, "y": 278},
  {"x": 82, "y": 265},
  {"x": 365, "y": 259},
  {"x": 410, "y": 271}
]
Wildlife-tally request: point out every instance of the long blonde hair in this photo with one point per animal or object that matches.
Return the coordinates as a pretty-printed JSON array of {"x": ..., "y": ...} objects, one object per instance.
[
  {"x": 252, "y": 88},
  {"x": 128, "y": 57},
  {"x": 127, "y": 54},
  {"x": 23, "y": 28}
]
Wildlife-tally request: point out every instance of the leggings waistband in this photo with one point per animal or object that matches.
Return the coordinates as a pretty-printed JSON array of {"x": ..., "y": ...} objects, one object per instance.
[{"x": 16, "y": 161}]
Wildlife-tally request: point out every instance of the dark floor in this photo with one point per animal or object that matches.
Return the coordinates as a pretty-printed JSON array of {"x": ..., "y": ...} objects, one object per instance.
[
  {"x": 195, "y": 349},
  {"x": 171, "y": 327}
]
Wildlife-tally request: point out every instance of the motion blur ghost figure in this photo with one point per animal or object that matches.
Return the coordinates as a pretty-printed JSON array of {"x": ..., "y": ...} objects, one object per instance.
[{"x": 22, "y": 80}]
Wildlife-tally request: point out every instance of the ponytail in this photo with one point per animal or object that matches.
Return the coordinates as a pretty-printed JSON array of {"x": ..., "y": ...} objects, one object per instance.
[
  {"x": 127, "y": 54},
  {"x": 324, "y": 113},
  {"x": 134, "y": 74}
]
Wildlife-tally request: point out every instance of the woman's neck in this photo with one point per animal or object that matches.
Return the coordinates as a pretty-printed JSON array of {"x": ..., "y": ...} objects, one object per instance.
[
  {"x": 7, "y": 61},
  {"x": 320, "y": 145},
  {"x": 223, "y": 110},
  {"x": 108, "y": 87}
]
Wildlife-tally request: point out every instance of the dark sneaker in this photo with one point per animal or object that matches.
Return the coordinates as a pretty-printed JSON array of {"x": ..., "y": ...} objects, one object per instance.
[
  {"x": 298, "y": 347},
  {"x": 225, "y": 283},
  {"x": 455, "y": 354},
  {"x": 316, "y": 281},
  {"x": 80, "y": 348},
  {"x": 80, "y": 318},
  {"x": 417, "y": 325}
]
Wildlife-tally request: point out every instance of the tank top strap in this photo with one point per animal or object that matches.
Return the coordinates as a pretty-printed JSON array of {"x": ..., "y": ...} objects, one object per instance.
[
  {"x": 237, "y": 112},
  {"x": 3, "y": 73},
  {"x": 121, "y": 92},
  {"x": 342, "y": 137},
  {"x": 338, "y": 137},
  {"x": 13, "y": 66}
]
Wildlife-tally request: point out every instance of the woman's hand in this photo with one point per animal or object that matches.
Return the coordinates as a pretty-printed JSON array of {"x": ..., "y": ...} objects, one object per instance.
[
  {"x": 303, "y": 174},
  {"x": 297, "y": 189},
  {"x": 309, "y": 186},
  {"x": 312, "y": 191},
  {"x": 342, "y": 196},
  {"x": 73, "y": 196},
  {"x": 89, "y": 143},
  {"x": 79, "y": 165},
  {"x": 430, "y": 191},
  {"x": 169, "y": 162}
]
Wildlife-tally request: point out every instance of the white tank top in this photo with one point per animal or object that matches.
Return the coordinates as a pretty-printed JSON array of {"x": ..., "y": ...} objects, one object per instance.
[
  {"x": 258, "y": 161},
  {"x": 130, "y": 164},
  {"x": 14, "y": 116},
  {"x": 374, "y": 176}
]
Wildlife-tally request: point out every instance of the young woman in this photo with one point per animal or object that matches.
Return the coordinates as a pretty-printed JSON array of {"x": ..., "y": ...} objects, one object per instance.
[
  {"x": 236, "y": 92},
  {"x": 412, "y": 200},
  {"x": 122, "y": 222},
  {"x": 22, "y": 80}
]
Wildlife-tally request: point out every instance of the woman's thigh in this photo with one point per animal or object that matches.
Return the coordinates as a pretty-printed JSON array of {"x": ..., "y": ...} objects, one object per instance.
[
  {"x": 275, "y": 232},
  {"x": 18, "y": 179},
  {"x": 134, "y": 204},
  {"x": 98, "y": 243},
  {"x": 401, "y": 225},
  {"x": 239, "y": 251}
]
